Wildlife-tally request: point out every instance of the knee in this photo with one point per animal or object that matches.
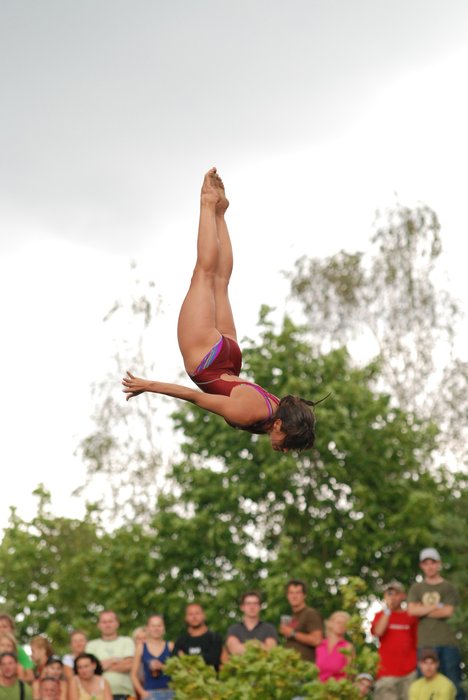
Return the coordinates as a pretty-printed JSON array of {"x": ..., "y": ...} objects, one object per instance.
[
  {"x": 221, "y": 283},
  {"x": 203, "y": 276}
]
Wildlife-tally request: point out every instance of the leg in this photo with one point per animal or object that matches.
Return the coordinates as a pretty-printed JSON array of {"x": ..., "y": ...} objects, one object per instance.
[
  {"x": 450, "y": 659},
  {"x": 386, "y": 688},
  {"x": 404, "y": 684},
  {"x": 196, "y": 329},
  {"x": 223, "y": 312}
]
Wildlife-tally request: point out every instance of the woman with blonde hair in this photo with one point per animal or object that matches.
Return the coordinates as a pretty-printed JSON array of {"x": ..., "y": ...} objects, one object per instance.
[
  {"x": 152, "y": 655},
  {"x": 8, "y": 644},
  {"x": 41, "y": 651},
  {"x": 329, "y": 656}
]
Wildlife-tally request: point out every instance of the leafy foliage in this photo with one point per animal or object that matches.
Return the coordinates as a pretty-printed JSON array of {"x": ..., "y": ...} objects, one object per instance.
[
  {"x": 238, "y": 515},
  {"x": 234, "y": 515},
  {"x": 267, "y": 516},
  {"x": 392, "y": 301},
  {"x": 278, "y": 673},
  {"x": 122, "y": 453},
  {"x": 256, "y": 675}
]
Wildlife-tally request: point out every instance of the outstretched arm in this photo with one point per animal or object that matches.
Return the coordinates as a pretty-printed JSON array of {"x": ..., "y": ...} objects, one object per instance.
[{"x": 234, "y": 410}]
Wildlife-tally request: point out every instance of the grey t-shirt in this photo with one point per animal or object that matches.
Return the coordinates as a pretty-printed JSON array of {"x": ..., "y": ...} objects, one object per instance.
[
  {"x": 433, "y": 631},
  {"x": 261, "y": 631}
]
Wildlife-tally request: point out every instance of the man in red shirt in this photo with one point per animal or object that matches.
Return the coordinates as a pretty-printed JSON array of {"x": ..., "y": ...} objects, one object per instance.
[{"x": 397, "y": 633}]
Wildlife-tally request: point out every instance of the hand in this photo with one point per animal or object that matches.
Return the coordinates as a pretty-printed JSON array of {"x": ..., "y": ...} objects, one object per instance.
[
  {"x": 107, "y": 663},
  {"x": 134, "y": 385},
  {"x": 286, "y": 630},
  {"x": 155, "y": 665},
  {"x": 388, "y": 600}
]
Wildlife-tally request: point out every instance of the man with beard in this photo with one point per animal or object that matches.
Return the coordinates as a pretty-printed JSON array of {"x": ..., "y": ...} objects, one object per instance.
[{"x": 199, "y": 640}]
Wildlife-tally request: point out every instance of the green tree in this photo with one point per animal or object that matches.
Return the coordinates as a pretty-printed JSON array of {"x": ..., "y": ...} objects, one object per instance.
[
  {"x": 122, "y": 454},
  {"x": 278, "y": 673},
  {"x": 58, "y": 573},
  {"x": 256, "y": 675},
  {"x": 360, "y": 504},
  {"x": 46, "y": 566},
  {"x": 392, "y": 300}
]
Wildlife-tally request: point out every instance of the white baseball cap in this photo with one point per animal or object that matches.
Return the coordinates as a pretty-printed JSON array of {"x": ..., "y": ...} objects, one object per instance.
[{"x": 429, "y": 553}]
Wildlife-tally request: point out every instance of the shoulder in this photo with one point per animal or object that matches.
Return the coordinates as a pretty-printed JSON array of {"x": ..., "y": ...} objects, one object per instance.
[
  {"x": 264, "y": 630},
  {"x": 415, "y": 685},
  {"x": 268, "y": 627},
  {"x": 94, "y": 644},
  {"x": 447, "y": 586},
  {"x": 244, "y": 408},
  {"x": 377, "y": 616},
  {"x": 182, "y": 640},
  {"x": 444, "y": 682},
  {"x": 415, "y": 592},
  {"x": 27, "y": 690},
  {"x": 126, "y": 644},
  {"x": 310, "y": 616},
  {"x": 237, "y": 629}
]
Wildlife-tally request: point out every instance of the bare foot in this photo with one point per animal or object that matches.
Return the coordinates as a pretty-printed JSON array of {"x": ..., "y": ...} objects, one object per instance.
[
  {"x": 223, "y": 201},
  {"x": 209, "y": 190}
]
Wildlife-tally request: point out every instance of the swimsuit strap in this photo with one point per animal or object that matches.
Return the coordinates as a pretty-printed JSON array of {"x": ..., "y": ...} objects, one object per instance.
[{"x": 266, "y": 395}]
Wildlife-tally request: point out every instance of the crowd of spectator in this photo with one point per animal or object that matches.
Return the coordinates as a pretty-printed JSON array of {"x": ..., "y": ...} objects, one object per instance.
[{"x": 419, "y": 657}]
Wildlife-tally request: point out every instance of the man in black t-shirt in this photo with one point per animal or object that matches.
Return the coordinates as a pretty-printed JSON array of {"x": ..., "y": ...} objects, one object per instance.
[{"x": 199, "y": 640}]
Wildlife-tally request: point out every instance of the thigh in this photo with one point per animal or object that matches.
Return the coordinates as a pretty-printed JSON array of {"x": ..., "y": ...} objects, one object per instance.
[
  {"x": 450, "y": 659},
  {"x": 163, "y": 694},
  {"x": 386, "y": 688},
  {"x": 224, "y": 318},
  {"x": 404, "y": 684},
  {"x": 196, "y": 329}
]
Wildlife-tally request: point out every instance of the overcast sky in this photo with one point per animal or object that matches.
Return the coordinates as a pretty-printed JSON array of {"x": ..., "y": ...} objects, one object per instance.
[{"x": 316, "y": 112}]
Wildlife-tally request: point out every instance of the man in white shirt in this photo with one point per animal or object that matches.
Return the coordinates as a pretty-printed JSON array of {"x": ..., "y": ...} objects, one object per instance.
[{"x": 115, "y": 654}]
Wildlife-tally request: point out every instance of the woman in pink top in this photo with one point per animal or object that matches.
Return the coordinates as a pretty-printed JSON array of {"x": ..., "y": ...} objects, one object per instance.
[
  {"x": 208, "y": 343},
  {"x": 329, "y": 658}
]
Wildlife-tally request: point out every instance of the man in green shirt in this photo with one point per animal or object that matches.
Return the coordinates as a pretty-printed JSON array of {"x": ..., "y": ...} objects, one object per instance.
[
  {"x": 433, "y": 685},
  {"x": 10, "y": 687},
  {"x": 433, "y": 601}
]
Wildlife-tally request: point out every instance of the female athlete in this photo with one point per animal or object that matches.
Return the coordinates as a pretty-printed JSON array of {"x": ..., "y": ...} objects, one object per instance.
[{"x": 208, "y": 343}]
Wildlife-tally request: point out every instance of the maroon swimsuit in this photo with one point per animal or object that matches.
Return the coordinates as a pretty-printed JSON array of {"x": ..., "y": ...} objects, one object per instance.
[{"x": 226, "y": 358}]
